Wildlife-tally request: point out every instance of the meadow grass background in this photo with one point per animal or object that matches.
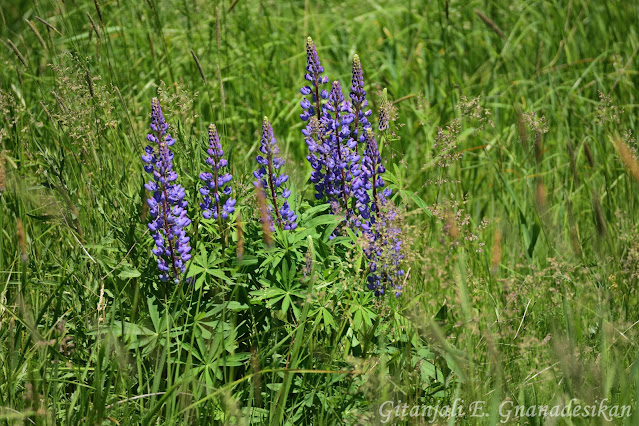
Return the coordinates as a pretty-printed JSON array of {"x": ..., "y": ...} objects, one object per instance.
[{"x": 522, "y": 254}]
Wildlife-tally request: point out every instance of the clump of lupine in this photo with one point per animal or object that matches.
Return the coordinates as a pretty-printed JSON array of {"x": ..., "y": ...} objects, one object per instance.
[
  {"x": 347, "y": 173},
  {"x": 347, "y": 167},
  {"x": 270, "y": 180},
  {"x": 336, "y": 140},
  {"x": 216, "y": 185},
  {"x": 167, "y": 206}
]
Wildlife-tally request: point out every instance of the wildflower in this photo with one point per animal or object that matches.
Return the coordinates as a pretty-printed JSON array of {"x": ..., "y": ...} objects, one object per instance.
[
  {"x": 314, "y": 70},
  {"x": 313, "y": 105},
  {"x": 359, "y": 102},
  {"x": 320, "y": 157},
  {"x": 344, "y": 162},
  {"x": 333, "y": 137},
  {"x": 381, "y": 231},
  {"x": 361, "y": 132},
  {"x": 270, "y": 180},
  {"x": 167, "y": 206},
  {"x": 384, "y": 252},
  {"x": 374, "y": 170},
  {"x": 347, "y": 177},
  {"x": 216, "y": 184}
]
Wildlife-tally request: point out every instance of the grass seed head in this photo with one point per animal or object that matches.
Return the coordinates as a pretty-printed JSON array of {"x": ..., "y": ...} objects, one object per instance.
[
  {"x": 22, "y": 240},
  {"x": 18, "y": 54},
  {"x": 628, "y": 158},
  {"x": 265, "y": 217},
  {"x": 37, "y": 34},
  {"x": 3, "y": 175}
]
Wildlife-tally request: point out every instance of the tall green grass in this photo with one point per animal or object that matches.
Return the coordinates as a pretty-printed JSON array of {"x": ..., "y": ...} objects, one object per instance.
[{"x": 537, "y": 306}]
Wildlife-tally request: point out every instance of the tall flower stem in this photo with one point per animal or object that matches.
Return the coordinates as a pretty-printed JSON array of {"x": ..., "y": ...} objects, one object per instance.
[
  {"x": 165, "y": 202},
  {"x": 336, "y": 98},
  {"x": 216, "y": 185},
  {"x": 269, "y": 175},
  {"x": 272, "y": 186},
  {"x": 216, "y": 197},
  {"x": 343, "y": 174},
  {"x": 167, "y": 205},
  {"x": 165, "y": 208}
]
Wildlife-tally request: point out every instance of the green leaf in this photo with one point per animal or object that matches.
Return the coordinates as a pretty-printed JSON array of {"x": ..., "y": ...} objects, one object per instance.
[
  {"x": 128, "y": 272},
  {"x": 419, "y": 202},
  {"x": 153, "y": 313}
]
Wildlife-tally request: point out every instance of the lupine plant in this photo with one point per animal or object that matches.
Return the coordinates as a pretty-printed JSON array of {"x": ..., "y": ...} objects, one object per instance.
[
  {"x": 347, "y": 167},
  {"x": 216, "y": 190},
  {"x": 320, "y": 152},
  {"x": 270, "y": 180},
  {"x": 347, "y": 174},
  {"x": 383, "y": 248},
  {"x": 167, "y": 206}
]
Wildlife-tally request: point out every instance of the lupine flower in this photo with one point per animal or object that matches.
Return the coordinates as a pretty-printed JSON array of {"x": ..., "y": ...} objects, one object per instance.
[
  {"x": 270, "y": 180},
  {"x": 361, "y": 184},
  {"x": 389, "y": 275},
  {"x": 359, "y": 102},
  {"x": 314, "y": 94},
  {"x": 350, "y": 178},
  {"x": 334, "y": 139},
  {"x": 373, "y": 171},
  {"x": 216, "y": 185},
  {"x": 384, "y": 252},
  {"x": 313, "y": 106},
  {"x": 343, "y": 165},
  {"x": 384, "y": 244},
  {"x": 167, "y": 206},
  {"x": 320, "y": 156}
]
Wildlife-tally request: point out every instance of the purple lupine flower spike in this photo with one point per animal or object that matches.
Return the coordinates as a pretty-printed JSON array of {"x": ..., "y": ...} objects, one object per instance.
[
  {"x": 374, "y": 169},
  {"x": 360, "y": 127},
  {"x": 314, "y": 94},
  {"x": 337, "y": 120},
  {"x": 216, "y": 185},
  {"x": 313, "y": 106},
  {"x": 359, "y": 102},
  {"x": 384, "y": 248},
  {"x": 167, "y": 206},
  {"x": 271, "y": 180},
  {"x": 384, "y": 252},
  {"x": 320, "y": 153}
]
